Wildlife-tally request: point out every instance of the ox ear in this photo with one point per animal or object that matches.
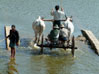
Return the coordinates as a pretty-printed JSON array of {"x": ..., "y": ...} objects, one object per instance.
[
  {"x": 66, "y": 18},
  {"x": 42, "y": 18},
  {"x": 71, "y": 16},
  {"x": 39, "y": 16}
]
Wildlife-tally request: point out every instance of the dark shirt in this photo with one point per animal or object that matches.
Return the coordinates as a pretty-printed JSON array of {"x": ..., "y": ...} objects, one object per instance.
[
  {"x": 14, "y": 36},
  {"x": 54, "y": 34}
]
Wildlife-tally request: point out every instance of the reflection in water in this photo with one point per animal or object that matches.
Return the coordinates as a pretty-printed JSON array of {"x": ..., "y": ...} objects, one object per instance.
[
  {"x": 58, "y": 65},
  {"x": 12, "y": 67},
  {"x": 49, "y": 64}
]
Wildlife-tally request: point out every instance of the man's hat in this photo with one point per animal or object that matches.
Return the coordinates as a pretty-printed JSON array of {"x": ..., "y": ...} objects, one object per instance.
[
  {"x": 56, "y": 26},
  {"x": 62, "y": 25}
]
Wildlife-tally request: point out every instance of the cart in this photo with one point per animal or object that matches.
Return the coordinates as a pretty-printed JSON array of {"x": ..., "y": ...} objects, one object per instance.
[{"x": 52, "y": 45}]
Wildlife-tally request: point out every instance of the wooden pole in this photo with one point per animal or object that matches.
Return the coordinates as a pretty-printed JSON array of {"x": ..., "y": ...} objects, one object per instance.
[{"x": 51, "y": 20}]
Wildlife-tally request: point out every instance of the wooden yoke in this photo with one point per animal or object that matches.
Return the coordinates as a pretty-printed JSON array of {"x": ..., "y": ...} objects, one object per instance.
[{"x": 51, "y": 20}]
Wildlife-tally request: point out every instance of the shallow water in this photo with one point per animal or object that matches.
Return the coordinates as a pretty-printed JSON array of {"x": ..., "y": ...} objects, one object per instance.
[{"x": 28, "y": 61}]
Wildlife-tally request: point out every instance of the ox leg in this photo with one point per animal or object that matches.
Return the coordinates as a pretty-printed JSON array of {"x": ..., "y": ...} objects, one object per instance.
[
  {"x": 35, "y": 38},
  {"x": 68, "y": 38},
  {"x": 39, "y": 37}
]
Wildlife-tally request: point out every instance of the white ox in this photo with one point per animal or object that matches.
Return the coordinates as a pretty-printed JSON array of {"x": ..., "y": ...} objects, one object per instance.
[
  {"x": 69, "y": 25},
  {"x": 38, "y": 27}
]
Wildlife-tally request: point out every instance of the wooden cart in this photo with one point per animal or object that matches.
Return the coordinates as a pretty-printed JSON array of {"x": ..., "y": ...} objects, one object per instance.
[{"x": 52, "y": 45}]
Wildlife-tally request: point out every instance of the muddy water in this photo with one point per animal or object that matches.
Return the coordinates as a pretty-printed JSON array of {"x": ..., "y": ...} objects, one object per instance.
[{"x": 57, "y": 61}]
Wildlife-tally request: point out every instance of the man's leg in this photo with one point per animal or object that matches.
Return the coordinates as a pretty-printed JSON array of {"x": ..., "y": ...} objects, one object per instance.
[
  {"x": 12, "y": 52},
  {"x": 57, "y": 23}
]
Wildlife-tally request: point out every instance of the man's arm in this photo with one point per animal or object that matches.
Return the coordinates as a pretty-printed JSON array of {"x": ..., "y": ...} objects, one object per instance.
[
  {"x": 17, "y": 36},
  {"x": 9, "y": 34},
  {"x": 62, "y": 11},
  {"x": 52, "y": 12}
]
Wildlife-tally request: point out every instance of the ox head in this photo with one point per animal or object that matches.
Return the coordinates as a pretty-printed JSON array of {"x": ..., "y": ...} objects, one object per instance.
[
  {"x": 69, "y": 25},
  {"x": 38, "y": 22},
  {"x": 70, "y": 19}
]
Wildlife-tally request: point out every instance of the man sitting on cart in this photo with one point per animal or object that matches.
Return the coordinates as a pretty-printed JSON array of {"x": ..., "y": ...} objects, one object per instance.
[
  {"x": 54, "y": 34},
  {"x": 63, "y": 35}
]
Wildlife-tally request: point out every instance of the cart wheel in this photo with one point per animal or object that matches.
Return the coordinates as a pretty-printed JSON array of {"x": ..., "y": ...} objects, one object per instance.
[
  {"x": 51, "y": 46},
  {"x": 42, "y": 44},
  {"x": 73, "y": 46}
]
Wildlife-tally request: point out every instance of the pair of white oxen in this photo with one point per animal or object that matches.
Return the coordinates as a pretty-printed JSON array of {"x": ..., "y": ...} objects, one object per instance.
[{"x": 39, "y": 26}]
